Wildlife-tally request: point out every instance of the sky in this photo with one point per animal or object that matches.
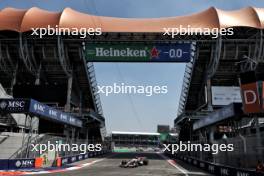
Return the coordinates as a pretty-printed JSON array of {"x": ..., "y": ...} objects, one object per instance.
[{"x": 137, "y": 112}]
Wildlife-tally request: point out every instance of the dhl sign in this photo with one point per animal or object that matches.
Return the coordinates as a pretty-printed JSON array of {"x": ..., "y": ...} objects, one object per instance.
[{"x": 252, "y": 94}]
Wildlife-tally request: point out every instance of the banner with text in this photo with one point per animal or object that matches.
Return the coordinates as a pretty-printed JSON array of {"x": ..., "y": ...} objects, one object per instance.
[{"x": 139, "y": 52}]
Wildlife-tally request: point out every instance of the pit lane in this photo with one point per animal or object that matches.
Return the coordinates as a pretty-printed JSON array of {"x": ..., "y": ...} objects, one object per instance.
[{"x": 158, "y": 166}]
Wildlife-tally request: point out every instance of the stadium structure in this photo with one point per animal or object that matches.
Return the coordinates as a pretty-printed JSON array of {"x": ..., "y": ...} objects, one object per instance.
[
  {"x": 213, "y": 106},
  {"x": 122, "y": 141},
  {"x": 52, "y": 72},
  {"x": 134, "y": 141},
  {"x": 48, "y": 90}
]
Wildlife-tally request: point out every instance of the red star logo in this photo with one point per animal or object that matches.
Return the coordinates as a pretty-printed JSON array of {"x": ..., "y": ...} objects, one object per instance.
[{"x": 154, "y": 53}]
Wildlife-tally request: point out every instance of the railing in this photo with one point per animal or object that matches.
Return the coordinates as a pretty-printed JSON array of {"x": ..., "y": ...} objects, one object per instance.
[
  {"x": 93, "y": 84},
  {"x": 248, "y": 150},
  {"x": 4, "y": 138},
  {"x": 21, "y": 152},
  {"x": 186, "y": 82}
]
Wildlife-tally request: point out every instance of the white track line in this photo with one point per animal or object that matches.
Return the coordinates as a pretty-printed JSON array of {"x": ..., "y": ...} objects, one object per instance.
[{"x": 171, "y": 162}]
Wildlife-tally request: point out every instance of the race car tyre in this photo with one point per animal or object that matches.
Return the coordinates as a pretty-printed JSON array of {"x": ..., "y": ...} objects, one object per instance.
[{"x": 145, "y": 162}]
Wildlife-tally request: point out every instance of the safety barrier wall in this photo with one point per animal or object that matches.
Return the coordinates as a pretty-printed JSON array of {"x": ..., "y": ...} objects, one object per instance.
[
  {"x": 213, "y": 168},
  {"x": 30, "y": 163},
  {"x": 250, "y": 147}
]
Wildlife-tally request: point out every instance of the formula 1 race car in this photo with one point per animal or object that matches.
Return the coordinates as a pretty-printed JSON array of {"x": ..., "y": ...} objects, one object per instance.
[{"x": 135, "y": 162}]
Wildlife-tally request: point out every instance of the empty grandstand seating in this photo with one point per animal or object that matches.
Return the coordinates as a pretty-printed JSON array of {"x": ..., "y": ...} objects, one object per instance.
[
  {"x": 11, "y": 142},
  {"x": 5, "y": 119}
]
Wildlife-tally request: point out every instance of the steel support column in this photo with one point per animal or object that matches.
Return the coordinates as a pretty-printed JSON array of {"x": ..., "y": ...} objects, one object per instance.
[
  {"x": 24, "y": 54},
  {"x": 69, "y": 93},
  {"x": 62, "y": 57},
  {"x": 209, "y": 95}
]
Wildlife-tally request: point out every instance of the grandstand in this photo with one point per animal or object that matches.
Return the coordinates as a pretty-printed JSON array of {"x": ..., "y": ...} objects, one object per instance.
[
  {"x": 139, "y": 141},
  {"x": 53, "y": 78},
  {"x": 135, "y": 138},
  {"x": 211, "y": 108}
]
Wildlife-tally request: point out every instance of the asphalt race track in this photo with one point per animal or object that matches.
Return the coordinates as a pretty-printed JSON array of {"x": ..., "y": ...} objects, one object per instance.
[{"x": 158, "y": 166}]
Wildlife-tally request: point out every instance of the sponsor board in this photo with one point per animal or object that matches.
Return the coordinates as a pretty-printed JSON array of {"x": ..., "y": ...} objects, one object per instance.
[
  {"x": 36, "y": 108},
  {"x": 14, "y": 164},
  {"x": 65, "y": 161},
  {"x": 86, "y": 155},
  {"x": 251, "y": 97},
  {"x": 139, "y": 52},
  {"x": 211, "y": 168},
  {"x": 14, "y": 105},
  {"x": 73, "y": 159},
  {"x": 3, "y": 164},
  {"x": 218, "y": 115},
  {"x": 252, "y": 92},
  {"x": 21, "y": 163},
  {"x": 224, "y": 95},
  {"x": 80, "y": 157}
]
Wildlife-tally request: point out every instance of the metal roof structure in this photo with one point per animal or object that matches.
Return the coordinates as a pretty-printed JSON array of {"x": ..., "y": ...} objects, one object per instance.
[
  {"x": 23, "y": 20},
  {"x": 46, "y": 61},
  {"x": 215, "y": 58},
  {"x": 219, "y": 61}
]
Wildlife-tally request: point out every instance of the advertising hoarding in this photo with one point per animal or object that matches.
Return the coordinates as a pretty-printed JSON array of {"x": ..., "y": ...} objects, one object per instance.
[
  {"x": 14, "y": 105},
  {"x": 224, "y": 95},
  {"x": 251, "y": 91},
  {"x": 21, "y": 163},
  {"x": 51, "y": 113},
  {"x": 139, "y": 52},
  {"x": 218, "y": 115},
  {"x": 251, "y": 98},
  {"x": 34, "y": 107}
]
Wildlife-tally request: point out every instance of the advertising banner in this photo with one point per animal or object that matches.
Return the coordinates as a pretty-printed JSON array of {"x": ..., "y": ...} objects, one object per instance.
[
  {"x": 73, "y": 159},
  {"x": 21, "y": 163},
  {"x": 218, "y": 115},
  {"x": 251, "y": 100},
  {"x": 34, "y": 107},
  {"x": 3, "y": 164},
  {"x": 38, "y": 108},
  {"x": 65, "y": 160},
  {"x": 139, "y": 52},
  {"x": 86, "y": 155},
  {"x": 224, "y": 95},
  {"x": 252, "y": 92},
  {"x": 14, "y": 105}
]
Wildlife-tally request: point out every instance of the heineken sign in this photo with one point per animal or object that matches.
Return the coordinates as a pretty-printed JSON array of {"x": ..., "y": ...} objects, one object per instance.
[{"x": 139, "y": 52}]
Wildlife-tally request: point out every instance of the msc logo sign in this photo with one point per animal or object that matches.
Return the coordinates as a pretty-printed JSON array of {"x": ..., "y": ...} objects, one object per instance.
[
  {"x": 64, "y": 161},
  {"x": 3, "y": 104},
  {"x": 12, "y": 105},
  {"x": 24, "y": 163},
  {"x": 39, "y": 107}
]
